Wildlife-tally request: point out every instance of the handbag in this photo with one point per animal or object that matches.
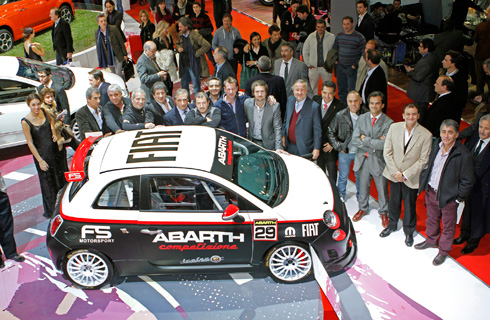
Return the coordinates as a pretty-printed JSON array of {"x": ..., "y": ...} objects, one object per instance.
[
  {"x": 128, "y": 69},
  {"x": 247, "y": 72}
]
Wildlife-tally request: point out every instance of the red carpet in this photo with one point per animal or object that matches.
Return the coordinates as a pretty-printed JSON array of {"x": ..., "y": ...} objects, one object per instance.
[{"x": 479, "y": 260}]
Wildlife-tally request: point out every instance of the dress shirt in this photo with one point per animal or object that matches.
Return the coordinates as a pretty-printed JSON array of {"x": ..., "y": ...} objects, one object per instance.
[
  {"x": 452, "y": 73},
  {"x": 165, "y": 108},
  {"x": 283, "y": 68},
  {"x": 218, "y": 66},
  {"x": 231, "y": 105},
  {"x": 97, "y": 115},
  {"x": 183, "y": 113},
  {"x": 408, "y": 135},
  {"x": 258, "y": 116},
  {"x": 360, "y": 19},
  {"x": 443, "y": 94},
  {"x": 299, "y": 105},
  {"x": 439, "y": 162},
  {"x": 485, "y": 142}
]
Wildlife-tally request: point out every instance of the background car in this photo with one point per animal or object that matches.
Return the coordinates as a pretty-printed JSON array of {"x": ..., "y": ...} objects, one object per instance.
[
  {"x": 16, "y": 15},
  {"x": 18, "y": 79},
  {"x": 194, "y": 199}
]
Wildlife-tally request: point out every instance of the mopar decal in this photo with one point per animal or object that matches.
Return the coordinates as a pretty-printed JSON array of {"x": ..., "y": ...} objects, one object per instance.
[
  {"x": 290, "y": 232},
  {"x": 102, "y": 234},
  {"x": 213, "y": 259},
  {"x": 310, "y": 229},
  {"x": 265, "y": 230},
  {"x": 201, "y": 236}
]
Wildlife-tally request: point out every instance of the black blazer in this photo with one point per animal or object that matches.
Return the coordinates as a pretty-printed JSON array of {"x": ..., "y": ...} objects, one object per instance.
[
  {"x": 224, "y": 72},
  {"x": 441, "y": 109},
  {"x": 87, "y": 123},
  {"x": 376, "y": 82},
  {"x": 62, "y": 39},
  {"x": 104, "y": 97},
  {"x": 61, "y": 100},
  {"x": 367, "y": 27},
  {"x": 276, "y": 85},
  {"x": 155, "y": 113},
  {"x": 173, "y": 118},
  {"x": 116, "y": 19}
]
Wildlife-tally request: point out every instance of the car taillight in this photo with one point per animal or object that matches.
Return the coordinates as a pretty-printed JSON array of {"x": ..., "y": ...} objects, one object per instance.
[
  {"x": 55, "y": 225},
  {"x": 338, "y": 235},
  {"x": 331, "y": 219}
]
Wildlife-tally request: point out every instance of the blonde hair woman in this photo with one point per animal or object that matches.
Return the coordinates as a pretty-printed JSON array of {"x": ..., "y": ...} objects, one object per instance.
[{"x": 165, "y": 50}]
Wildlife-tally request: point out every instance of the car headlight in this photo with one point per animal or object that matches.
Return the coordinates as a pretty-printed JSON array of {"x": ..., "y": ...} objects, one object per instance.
[{"x": 331, "y": 219}]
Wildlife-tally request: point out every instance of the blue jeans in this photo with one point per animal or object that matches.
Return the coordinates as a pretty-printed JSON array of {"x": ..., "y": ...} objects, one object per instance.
[
  {"x": 346, "y": 80},
  {"x": 345, "y": 160},
  {"x": 120, "y": 6},
  {"x": 170, "y": 5},
  {"x": 188, "y": 76}
]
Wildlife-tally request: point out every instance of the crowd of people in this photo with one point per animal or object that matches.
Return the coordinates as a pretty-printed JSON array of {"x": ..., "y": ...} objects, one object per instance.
[{"x": 282, "y": 107}]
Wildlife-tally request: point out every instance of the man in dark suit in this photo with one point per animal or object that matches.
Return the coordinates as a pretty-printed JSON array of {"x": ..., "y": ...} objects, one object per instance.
[
  {"x": 148, "y": 69},
  {"x": 89, "y": 117},
  {"x": 454, "y": 66},
  {"x": 365, "y": 24},
  {"x": 61, "y": 37},
  {"x": 111, "y": 51},
  {"x": 159, "y": 105},
  {"x": 264, "y": 120},
  {"x": 447, "y": 181},
  {"x": 275, "y": 84},
  {"x": 444, "y": 107},
  {"x": 422, "y": 77},
  {"x": 369, "y": 139},
  {"x": 291, "y": 69},
  {"x": 114, "y": 17},
  {"x": 375, "y": 79},
  {"x": 329, "y": 106},
  {"x": 223, "y": 68},
  {"x": 448, "y": 39},
  {"x": 302, "y": 130},
  {"x": 115, "y": 108},
  {"x": 476, "y": 215},
  {"x": 231, "y": 106},
  {"x": 176, "y": 116},
  {"x": 44, "y": 75},
  {"x": 96, "y": 80}
]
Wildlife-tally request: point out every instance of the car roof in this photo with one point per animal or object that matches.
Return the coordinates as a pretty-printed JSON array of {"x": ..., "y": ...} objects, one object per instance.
[
  {"x": 10, "y": 65},
  {"x": 174, "y": 146}
]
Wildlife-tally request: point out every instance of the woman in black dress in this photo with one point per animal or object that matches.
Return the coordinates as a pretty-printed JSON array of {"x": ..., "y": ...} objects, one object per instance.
[
  {"x": 32, "y": 50},
  {"x": 147, "y": 27},
  {"x": 49, "y": 163}
]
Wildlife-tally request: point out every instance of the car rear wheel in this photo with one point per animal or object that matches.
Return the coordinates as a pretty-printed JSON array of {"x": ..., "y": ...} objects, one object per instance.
[
  {"x": 267, "y": 2},
  {"x": 88, "y": 269},
  {"x": 289, "y": 262},
  {"x": 6, "y": 40},
  {"x": 75, "y": 129},
  {"x": 66, "y": 13}
]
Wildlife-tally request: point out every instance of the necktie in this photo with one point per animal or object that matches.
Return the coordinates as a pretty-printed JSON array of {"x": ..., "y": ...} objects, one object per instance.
[
  {"x": 478, "y": 149},
  {"x": 155, "y": 64},
  {"x": 324, "y": 106},
  {"x": 286, "y": 71}
]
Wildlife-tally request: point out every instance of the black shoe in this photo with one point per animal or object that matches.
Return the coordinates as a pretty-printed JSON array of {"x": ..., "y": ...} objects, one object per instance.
[
  {"x": 424, "y": 245},
  {"x": 460, "y": 240},
  {"x": 18, "y": 258},
  {"x": 2, "y": 264},
  {"x": 409, "y": 240},
  {"x": 439, "y": 259},
  {"x": 469, "y": 248},
  {"x": 386, "y": 232}
]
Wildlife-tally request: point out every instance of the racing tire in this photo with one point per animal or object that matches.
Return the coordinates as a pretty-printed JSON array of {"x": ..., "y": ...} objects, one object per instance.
[
  {"x": 268, "y": 3},
  {"x": 6, "y": 40},
  {"x": 88, "y": 269},
  {"x": 76, "y": 129},
  {"x": 66, "y": 13},
  {"x": 289, "y": 262}
]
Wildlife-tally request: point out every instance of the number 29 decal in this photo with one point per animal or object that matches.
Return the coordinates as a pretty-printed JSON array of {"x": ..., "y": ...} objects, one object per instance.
[{"x": 265, "y": 230}]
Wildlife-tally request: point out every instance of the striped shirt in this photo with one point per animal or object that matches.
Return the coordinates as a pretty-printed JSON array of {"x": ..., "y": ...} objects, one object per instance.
[{"x": 350, "y": 46}]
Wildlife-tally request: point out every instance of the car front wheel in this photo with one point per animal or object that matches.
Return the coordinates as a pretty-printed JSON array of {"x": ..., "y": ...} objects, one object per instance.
[
  {"x": 289, "y": 262},
  {"x": 88, "y": 269},
  {"x": 75, "y": 129},
  {"x": 66, "y": 13},
  {"x": 6, "y": 40}
]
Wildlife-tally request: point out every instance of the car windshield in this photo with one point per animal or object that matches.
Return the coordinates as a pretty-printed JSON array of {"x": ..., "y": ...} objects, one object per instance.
[
  {"x": 257, "y": 170},
  {"x": 63, "y": 76}
]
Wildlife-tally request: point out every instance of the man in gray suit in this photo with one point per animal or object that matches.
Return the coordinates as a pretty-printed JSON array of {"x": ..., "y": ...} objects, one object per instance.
[
  {"x": 302, "y": 130},
  {"x": 369, "y": 139},
  {"x": 291, "y": 69},
  {"x": 148, "y": 69},
  {"x": 264, "y": 120}
]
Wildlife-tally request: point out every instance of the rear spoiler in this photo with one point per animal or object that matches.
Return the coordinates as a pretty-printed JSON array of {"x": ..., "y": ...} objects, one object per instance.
[{"x": 77, "y": 171}]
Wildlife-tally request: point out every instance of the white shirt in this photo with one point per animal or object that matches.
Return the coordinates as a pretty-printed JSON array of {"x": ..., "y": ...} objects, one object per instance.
[
  {"x": 165, "y": 108},
  {"x": 97, "y": 116},
  {"x": 324, "y": 111},
  {"x": 360, "y": 19},
  {"x": 408, "y": 135},
  {"x": 183, "y": 113},
  {"x": 485, "y": 142},
  {"x": 370, "y": 72}
]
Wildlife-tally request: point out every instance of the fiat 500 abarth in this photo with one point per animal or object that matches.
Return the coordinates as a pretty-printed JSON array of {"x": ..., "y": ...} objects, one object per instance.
[{"x": 194, "y": 199}]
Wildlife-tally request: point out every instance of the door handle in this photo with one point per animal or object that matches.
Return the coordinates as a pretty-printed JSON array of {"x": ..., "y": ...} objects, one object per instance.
[{"x": 150, "y": 232}]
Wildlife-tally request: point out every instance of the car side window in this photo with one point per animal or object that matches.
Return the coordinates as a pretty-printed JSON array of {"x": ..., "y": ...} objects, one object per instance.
[
  {"x": 191, "y": 194},
  {"x": 120, "y": 194},
  {"x": 14, "y": 91}
]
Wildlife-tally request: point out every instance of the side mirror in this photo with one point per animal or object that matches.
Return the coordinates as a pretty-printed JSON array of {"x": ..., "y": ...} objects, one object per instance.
[{"x": 232, "y": 213}]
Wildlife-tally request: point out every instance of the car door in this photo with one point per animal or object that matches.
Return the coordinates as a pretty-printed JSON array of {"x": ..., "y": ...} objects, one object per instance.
[
  {"x": 34, "y": 12},
  {"x": 182, "y": 224}
]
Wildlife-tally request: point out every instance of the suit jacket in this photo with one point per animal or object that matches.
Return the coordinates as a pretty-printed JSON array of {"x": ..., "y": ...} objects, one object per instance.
[
  {"x": 308, "y": 126},
  {"x": 367, "y": 27},
  {"x": 116, "y": 40},
  {"x": 155, "y": 113},
  {"x": 276, "y": 88},
  {"x": 422, "y": 78},
  {"x": 224, "y": 72},
  {"x": 173, "y": 118},
  {"x": 372, "y": 144},
  {"x": 271, "y": 130},
  {"x": 335, "y": 107},
  {"x": 62, "y": 39},
  {"x": 61, "y": 100},
  {"x": 443, "y": 108},
  {"x": 448, "y": 40},
  {"x": 409, "y": 162},
  {"x": 87, "y": 123},
  {"x": 113, "y": 115},
  {"x": 376, "y": 82},
  {"x": 147, "y": 71},
  {"x": 362, "y": 70},
  {"x": 296, "y": 70},
  {"x": 104, "y": 97},
  {"x": 195, "y": 118}
]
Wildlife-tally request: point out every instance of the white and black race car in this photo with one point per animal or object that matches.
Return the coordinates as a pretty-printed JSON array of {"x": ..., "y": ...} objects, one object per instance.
[{"x": 194, "y": 199}]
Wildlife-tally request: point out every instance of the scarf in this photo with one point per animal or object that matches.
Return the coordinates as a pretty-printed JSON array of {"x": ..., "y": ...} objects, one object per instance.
[
  {"x": 104, "y": 52},
  {"x": 273, "y": 47}
]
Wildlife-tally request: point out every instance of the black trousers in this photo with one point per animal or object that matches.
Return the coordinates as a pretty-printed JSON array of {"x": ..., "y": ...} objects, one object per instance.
[
  {"x": 466, "y": 223},
  {"x": 7, "y": 240},
  {"x": 398, "y": 192},
  {"x": 329, "y": 163}
]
